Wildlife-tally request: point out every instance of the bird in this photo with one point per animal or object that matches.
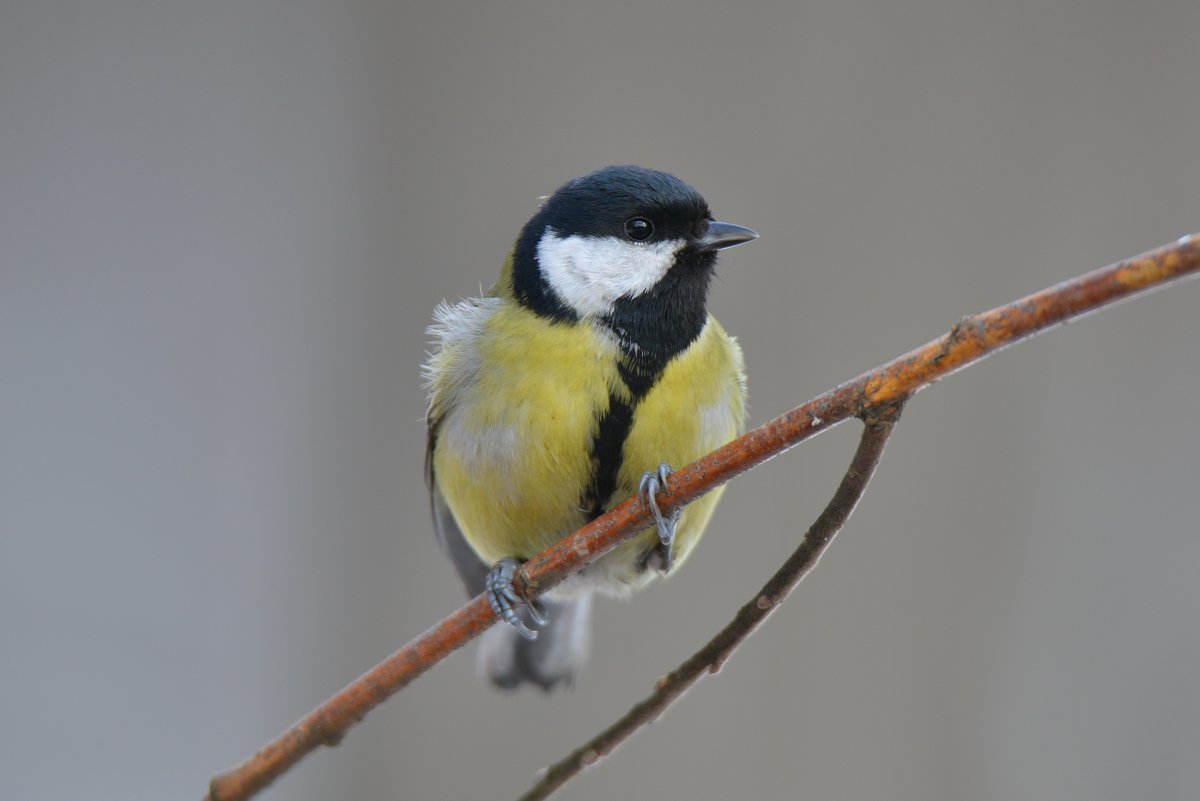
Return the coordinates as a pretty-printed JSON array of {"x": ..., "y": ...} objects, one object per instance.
[{"x": 589, "y": 369}]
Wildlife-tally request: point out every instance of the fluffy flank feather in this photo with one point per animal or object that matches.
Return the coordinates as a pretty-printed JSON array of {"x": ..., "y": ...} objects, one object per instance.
[{"x": 454, "y": 329}]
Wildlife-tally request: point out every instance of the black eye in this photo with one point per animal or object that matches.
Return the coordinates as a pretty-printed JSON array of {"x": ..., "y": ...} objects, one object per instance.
[{"x": 638, "y": 228}]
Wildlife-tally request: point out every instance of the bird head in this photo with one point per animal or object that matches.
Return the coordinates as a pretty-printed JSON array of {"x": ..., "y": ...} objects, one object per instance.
[{"x": 626, "y": 246}]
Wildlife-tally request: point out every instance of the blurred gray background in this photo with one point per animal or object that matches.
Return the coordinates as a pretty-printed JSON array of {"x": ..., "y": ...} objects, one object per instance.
[{"x": 223, "y": 227}]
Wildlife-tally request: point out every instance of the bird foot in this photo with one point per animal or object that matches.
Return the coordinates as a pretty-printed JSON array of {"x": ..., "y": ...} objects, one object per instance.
[
  {"x": 505, "y": 601},
  {"x": 651, "y": 485}
]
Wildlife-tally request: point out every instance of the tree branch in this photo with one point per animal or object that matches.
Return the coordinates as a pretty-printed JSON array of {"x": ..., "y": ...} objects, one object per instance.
[
  {"x": 971, "y": 339},
  {"x": 712, "y": 656}
]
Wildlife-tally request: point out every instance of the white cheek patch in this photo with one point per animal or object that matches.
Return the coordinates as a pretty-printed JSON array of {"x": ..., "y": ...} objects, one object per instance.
[{"x": 590, "y": 273}]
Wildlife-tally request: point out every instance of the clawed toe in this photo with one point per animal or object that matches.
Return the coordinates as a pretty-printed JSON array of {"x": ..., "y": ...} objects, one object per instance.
[
  {"x": 651, "y": 485},
  {"x": 505, "y": 601}
]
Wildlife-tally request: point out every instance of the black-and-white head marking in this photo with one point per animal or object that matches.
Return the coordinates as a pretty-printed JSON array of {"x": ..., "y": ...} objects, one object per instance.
[{"x": 577, "y": 258}]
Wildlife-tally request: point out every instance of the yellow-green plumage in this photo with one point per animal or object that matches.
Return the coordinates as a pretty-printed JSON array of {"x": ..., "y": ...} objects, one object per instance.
[{"x": 518, "y": 398}]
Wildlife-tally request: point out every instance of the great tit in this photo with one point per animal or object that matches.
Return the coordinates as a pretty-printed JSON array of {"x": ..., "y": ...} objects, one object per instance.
[{"x": 589, "y": 368}]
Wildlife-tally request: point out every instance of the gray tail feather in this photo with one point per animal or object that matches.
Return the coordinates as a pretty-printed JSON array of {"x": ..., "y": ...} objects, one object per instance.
[{"x": 555, "y": 657}]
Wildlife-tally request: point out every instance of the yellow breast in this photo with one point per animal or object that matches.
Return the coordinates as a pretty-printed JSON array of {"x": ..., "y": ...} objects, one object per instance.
[
  {"x": 697, "y": 405},
  {"x": 522, "y": 402}
]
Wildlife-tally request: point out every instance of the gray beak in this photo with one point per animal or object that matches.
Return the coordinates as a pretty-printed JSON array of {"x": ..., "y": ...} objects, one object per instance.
[{"x": 724, "y": 235}]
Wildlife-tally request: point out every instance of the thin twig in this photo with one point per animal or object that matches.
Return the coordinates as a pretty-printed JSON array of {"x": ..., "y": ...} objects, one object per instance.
[
  {"x": 971, "y": 339},
  {"x": 712, "y": 656}
]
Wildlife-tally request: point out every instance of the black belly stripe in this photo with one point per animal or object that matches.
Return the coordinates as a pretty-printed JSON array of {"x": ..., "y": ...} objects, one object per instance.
[
  {"x": 638, "y": 379},
  {"x": 650, "y": 338},
  {"x": 612, "y": 431},
  {"x": 607, "y": 445}
]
